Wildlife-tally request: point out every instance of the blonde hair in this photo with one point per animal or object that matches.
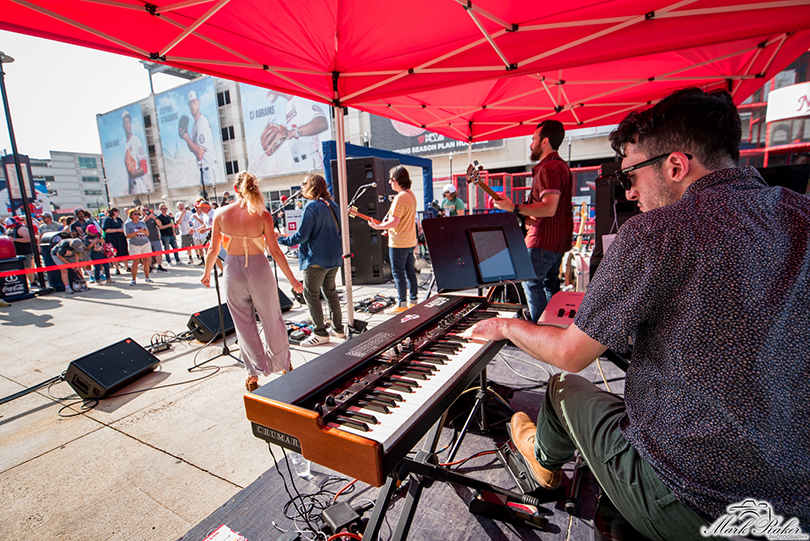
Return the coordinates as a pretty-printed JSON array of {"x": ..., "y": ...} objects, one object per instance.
[{"x": 247, "y": 186}]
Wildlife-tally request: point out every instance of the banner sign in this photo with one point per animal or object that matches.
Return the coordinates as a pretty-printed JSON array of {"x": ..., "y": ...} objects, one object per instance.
[
  {"x": 13, "y": 184},
  {"x": 387, "y": 134},
  {"x": 190, "y": 134},
  {"x": 788, "y": 102},
  {"x": 124, "y": 150},
  {"x": 283, "y": 132}
]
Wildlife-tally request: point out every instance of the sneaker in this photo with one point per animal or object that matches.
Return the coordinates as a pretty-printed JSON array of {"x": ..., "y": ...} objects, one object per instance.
[
  {"x": 161, "y": 269},
  {"x": 117, "y": 271},
  {"x": 337, "y": 334},
  {"x": 149, "y": 281},
  {"x": 314, "y": 340},
  {"x": 110, "y": 281},
  {"x": 92, "y": 280},
  {"x": 201, "y": 263},
  {"x": 132, "y": 283},
  {"x": 68, "y": 289},
  {"x": 4, "y": 304},
  {"x": 395, "y": 310},
  {"x": 523, "y": 432},
  {"x": 411, "y": 304}
]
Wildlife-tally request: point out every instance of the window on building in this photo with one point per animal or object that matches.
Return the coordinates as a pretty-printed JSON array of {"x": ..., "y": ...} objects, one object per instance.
[
  {"x": 87, "y": 163},
  {"x": 228, "y": 133},
  {"x": 92, "y": 192},
  {"x": 151, "y": 151},
  {"x": 48, "y": 178},
  {"x": 223, "y": 98},
  {"x": 156, "y": 181},
  {"x": 147, "y": 121},
  {"x": 91, "y": 179},
  {"x": 231, "y": 168},
  {"x": 53, "y": 193}
]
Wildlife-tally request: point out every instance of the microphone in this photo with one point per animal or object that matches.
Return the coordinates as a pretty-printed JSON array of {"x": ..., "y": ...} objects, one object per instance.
[
  {"x": 296, "y": 194},
  {"x": 371, "y": 185}
]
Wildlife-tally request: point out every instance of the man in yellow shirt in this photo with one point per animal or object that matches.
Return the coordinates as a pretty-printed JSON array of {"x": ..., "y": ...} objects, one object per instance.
[{"x": 401, "y": 225}]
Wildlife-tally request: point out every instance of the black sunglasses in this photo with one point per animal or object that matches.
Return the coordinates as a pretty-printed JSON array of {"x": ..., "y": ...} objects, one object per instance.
[{"x": 624, "y": 180}]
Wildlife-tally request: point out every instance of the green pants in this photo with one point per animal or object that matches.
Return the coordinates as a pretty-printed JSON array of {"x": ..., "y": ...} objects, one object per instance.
[{"x": 578, "y": 415}]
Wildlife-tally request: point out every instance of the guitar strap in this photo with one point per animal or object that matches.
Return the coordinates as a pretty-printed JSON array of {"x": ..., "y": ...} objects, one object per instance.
[{"x": 333, "y": 214}]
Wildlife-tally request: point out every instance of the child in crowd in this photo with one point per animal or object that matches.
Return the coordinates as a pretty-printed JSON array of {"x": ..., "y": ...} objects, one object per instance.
[{"x": 95, "y": 245}]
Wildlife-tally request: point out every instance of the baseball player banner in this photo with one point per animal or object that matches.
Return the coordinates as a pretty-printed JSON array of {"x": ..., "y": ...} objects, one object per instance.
[
  {"x": 283, "y": 132},
  {"x": 123, "y": 147},
  {"x": 190, "y": 135}
]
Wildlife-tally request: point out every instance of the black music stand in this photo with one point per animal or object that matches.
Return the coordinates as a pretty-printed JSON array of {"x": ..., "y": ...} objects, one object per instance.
[
  {"x": 476, "y": 251},
  {"x": 225, "y": 351}
]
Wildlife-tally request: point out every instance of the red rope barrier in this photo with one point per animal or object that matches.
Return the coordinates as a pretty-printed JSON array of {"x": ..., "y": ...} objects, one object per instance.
[{"x": 99, "y": 261}]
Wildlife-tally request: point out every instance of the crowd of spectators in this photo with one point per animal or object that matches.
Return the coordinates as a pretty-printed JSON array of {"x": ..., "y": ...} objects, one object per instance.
[{"x": 108, "y": 235}]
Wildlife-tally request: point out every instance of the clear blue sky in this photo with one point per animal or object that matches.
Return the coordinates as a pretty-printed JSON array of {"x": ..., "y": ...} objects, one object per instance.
[{"x": 55, "y": 91}]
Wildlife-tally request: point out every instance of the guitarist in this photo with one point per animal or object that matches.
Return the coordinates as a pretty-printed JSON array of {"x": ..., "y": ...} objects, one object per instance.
[
  {"x": 550, "y": 221},
  {"x": 401, "y": 225}
]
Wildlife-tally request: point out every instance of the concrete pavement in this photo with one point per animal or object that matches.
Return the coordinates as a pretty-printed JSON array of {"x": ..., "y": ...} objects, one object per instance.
[{"x": 144, "y": 465}]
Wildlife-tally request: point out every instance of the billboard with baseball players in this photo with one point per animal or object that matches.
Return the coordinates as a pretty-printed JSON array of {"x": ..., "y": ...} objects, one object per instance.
[
  {"x": 283, "y": 132},
  {"x": 190, "y": 134},
  {"x": 123, "y": 146}
]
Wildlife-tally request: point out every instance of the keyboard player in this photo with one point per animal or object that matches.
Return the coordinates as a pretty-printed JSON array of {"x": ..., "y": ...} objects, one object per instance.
[{"x": 711, "y": 284}]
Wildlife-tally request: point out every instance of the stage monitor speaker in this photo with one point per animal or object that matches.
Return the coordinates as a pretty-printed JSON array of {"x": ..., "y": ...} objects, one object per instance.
[
  {"x": 100, "y": 374},
  {"x": 205, "y": 325},
  {"x": 284, "y": 301},
  {"x": 370, "y": 264}
]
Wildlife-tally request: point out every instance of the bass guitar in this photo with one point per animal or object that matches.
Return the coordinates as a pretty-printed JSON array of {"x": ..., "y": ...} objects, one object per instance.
[{"x": 474, "y": 177}]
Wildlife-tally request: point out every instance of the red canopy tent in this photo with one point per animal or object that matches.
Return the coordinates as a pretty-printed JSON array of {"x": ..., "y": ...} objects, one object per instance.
[{"x": 469, "y": 70}]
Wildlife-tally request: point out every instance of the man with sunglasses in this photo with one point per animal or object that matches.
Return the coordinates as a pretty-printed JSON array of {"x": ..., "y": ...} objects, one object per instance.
[
  {"x": 710, "y": 284},
  {"x": 547, "y": 213}
]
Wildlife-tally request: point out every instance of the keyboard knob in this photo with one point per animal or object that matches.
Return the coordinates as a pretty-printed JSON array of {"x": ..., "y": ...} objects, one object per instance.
[{"x": 330, "y": 401}]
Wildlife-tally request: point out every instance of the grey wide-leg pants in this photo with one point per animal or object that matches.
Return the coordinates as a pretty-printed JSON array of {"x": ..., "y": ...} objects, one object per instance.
[{"x": 249, "y": 288}]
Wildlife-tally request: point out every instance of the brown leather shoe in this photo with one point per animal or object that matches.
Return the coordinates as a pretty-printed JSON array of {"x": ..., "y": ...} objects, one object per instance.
[
  {"x": 524, "y": 432},
  {"x": 251, "y": 384}
]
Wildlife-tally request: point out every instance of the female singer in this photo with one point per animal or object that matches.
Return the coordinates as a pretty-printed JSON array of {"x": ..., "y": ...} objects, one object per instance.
[{"x": 248, "y": 279}]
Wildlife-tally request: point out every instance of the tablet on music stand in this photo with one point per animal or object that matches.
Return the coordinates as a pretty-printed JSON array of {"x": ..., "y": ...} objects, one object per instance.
[{"x": 479, "y": 250}]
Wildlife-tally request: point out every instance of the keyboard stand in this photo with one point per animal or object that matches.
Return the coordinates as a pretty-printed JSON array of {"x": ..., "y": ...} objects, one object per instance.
[{"x": 425, "y": 470}]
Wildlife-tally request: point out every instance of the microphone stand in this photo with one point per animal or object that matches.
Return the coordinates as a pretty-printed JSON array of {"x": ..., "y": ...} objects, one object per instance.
[{"x": 225, "y": 351}]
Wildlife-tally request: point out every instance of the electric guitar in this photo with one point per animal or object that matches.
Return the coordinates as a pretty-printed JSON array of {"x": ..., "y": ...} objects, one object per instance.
[
  {"x": 474, "y": 177},
  {"x": 353, "y": 213}
]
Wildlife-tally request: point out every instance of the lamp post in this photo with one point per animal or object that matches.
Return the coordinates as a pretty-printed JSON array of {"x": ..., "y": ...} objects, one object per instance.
[
  {"x": 202, "y": 182},
  {"x": 5, "y": 59}
]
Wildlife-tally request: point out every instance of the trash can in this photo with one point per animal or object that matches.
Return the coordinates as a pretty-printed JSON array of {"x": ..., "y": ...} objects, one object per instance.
[
  {"x": 49, "y": 240},
  {"x": 12, "y": 288}
]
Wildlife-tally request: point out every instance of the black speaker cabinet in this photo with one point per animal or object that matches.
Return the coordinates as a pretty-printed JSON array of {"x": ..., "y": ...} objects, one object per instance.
[
  {"x": 611, "y": 204},
  {"x": 205, "y": 325},
  {"x": 284, "y": 301},
  {"x": 102, "y": 373},
  {"x": 370, "y": 264}
]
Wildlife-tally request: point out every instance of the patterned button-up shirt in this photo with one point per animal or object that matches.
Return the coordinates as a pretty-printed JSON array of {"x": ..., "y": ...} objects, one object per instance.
[{"x": 714, "y": 293}]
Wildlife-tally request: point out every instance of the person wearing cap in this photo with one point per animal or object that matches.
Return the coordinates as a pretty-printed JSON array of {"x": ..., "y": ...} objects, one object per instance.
[
  {"x": 48, "y": 224},
  {"x": 67, "y": 251},
  {"x": 135, "y": 159},
  {"x": 94, "y": 244},
  {"x": 452, "y": 205},
  {"x": 201, "y": 140},
  {"x": 201, "y": 224}
]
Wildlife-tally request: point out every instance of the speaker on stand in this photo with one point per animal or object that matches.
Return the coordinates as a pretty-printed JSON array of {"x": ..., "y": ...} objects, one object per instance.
[{"x": 370, "y": 264}]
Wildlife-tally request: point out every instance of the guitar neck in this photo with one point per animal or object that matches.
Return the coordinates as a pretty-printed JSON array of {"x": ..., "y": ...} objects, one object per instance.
[
  {"x": 490, "y": 192},
  {"x": 355, "y": 214}
]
